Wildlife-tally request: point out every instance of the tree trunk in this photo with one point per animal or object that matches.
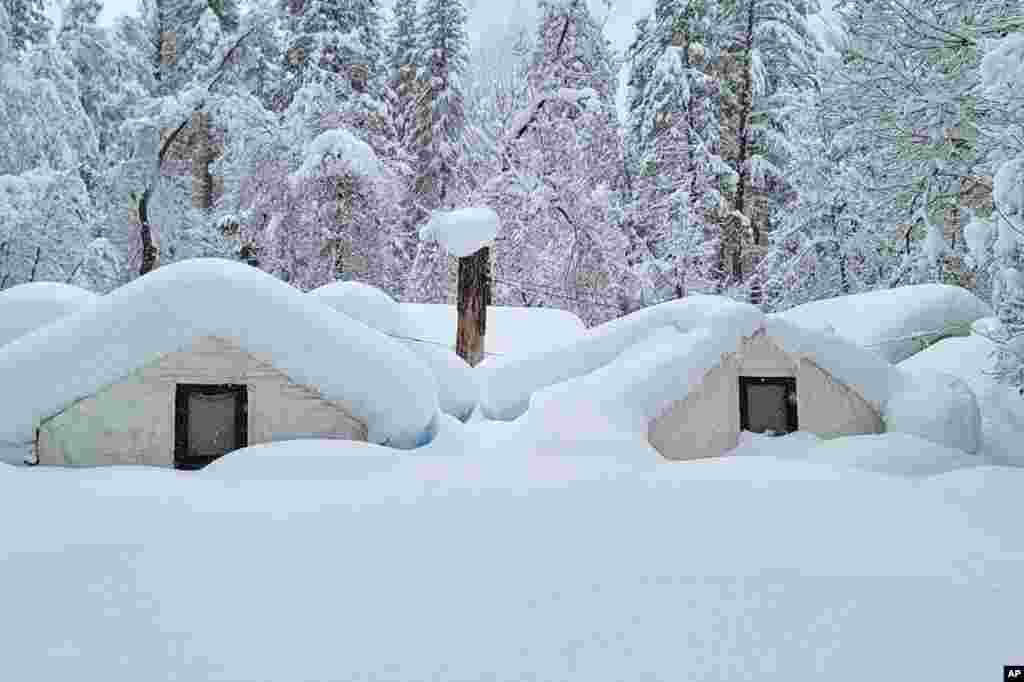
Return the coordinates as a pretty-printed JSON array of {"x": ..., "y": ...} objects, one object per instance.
[
  {"x": 474, "y": 297},
  {"x": 743, "y": 135},
  {"x": 149, "y": 252},
  {"x": 202, "y": 181}
]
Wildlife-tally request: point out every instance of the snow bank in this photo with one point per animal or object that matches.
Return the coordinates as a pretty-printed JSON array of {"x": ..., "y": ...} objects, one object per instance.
[
  {"x": 458, "y": 392},
  {"x": 937, "y": 407},
  {"x": 376, "y": 377},
  {"x": 892, "y": 322},
  {"x": 508, "y": 384},
  {"x": 26, "y": 307},
  {"x": 510, "y": 329},
  {"x": 305, "y": 459},
  {"x": 1002, "y": 409},
  {"x": 705, "y": 570},
  {"x": 899, "y": 454},
  {"x": 462, "y": 232}
]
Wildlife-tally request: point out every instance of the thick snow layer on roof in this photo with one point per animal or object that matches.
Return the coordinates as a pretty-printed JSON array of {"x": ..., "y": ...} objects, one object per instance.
[
  {"x": 458, "y": 391},
  {"x": 890, "y": 322},
  {"x": 26, "y": 307},
  {"x": 379, "y": 380},
  {"x": 462, "y": 232},
  {"x": 366, "y": 303},
  {"x": 509, "y": 383},
  {"x": 1002, "y": 408},
  {"x": 510, "y": 329}
]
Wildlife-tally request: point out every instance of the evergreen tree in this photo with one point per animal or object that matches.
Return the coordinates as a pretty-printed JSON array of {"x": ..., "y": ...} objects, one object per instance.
[
  {"x": 28, "y": 24},
  {"x": 768, "y": 52},
  {"x": 440, "y": 116},
  {"x": 674, "y": 131}
]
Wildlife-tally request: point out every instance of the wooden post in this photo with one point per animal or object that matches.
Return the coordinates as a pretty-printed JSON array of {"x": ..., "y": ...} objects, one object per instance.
[{"x": 474, "y": 295}]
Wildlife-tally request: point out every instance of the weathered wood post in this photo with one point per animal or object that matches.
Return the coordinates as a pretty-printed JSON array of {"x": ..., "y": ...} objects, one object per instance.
[{"x": 474, "y": 295}]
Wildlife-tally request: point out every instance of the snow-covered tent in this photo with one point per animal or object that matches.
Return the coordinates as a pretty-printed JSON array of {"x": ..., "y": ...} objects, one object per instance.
[
  {"x": 692, "y": 374},
  {"x": 26, "y": 307},
  {"x": 894, "y": 323},
  {"x": 199, "y": 358},
  {"x": 457, "y": 389}
]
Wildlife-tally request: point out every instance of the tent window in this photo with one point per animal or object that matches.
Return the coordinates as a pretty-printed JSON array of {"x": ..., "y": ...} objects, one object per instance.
[
  {"x": 768, "y": 405},
  {"x": 210, "y": 421}
]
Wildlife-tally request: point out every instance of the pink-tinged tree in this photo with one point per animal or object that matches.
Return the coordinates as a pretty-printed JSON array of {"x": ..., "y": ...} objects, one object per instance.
[
  {"x": 310, "y": 201},
  {"x": 561, "y": 163}
]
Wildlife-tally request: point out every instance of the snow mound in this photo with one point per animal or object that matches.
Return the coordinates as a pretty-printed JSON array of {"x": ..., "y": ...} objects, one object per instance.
[
  {"x": 458, "y": 392},
  {"x": 462, "y": 232},
  {"x": 510, "y": 329},
  {"x": 366, "y": 303},
  {"x": 379, "y": 380},
  {"x": 305, "y": 459},
  {"x": 938, "y": 407},
  {"x": 26, "y": 307},
  {"x": 508, "y": 385},
  {"x": 899, "y": 454},
  {"x": 892, "y": 322},
  {"x": 1002, "y": 409}
]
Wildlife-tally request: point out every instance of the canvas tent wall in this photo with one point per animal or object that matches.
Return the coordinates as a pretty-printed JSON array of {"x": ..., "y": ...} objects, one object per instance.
[
  {"x": 97, "y": 382},
  {"x": 136, "y": 420},
  {"x": 708, "y": 421}
]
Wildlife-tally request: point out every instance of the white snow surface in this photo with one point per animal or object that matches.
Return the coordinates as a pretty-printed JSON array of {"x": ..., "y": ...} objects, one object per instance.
[
  {"x": 464, "y": 231},
  {"x": 457, "y": 388},
  {"x": 26, "y": 307},
  {"x": 511, "y": 330},
  {"x": 1002, "y": 408},
  {"x": 366, "y": 303},
  {"x": 380, "y": 381},
  {"x": 888, "y": 321},
  {"x": 602, "y": 562}
]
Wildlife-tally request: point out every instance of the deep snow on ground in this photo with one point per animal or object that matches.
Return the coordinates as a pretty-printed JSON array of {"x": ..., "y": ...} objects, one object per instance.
[
  {"x": 558, "y": 546},
  {"x": 487, "y": 557}
]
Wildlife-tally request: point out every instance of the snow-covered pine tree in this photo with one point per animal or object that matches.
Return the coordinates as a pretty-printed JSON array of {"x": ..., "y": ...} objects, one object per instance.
[
  {"x": 28, "y": 24},
  {"x": 821, "y": 244},
  {"x": 436, "y": 138},
  {"x": 440, "y": 115},
  {"x": 910, "y": 81},
  {"x": 997, "y": 243},
  {"x": 674, "y": 135},
  {"x": 768, "y": 51},
  {"x": 402, "y": 63}
]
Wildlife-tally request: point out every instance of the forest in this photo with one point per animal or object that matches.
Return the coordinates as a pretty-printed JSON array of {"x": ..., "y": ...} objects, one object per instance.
[{"x": 752, "y": 156}]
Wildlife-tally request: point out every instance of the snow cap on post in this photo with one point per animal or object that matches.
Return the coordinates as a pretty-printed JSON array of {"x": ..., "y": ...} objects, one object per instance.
[{"x": 462, "y": 232}]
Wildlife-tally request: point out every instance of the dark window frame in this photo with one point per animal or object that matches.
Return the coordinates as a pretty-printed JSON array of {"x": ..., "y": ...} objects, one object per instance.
[
  {"x": 792, "y": 417},
  {"x": 182, "y": 392}
]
